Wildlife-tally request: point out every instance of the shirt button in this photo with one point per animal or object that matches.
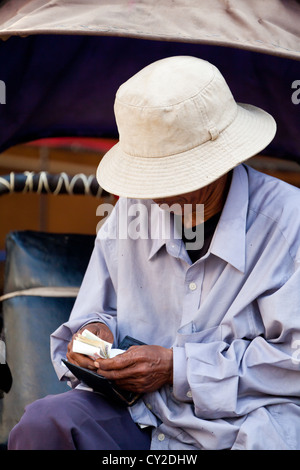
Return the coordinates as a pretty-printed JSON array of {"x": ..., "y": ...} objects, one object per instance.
[
  {"x": 192, "y": 286},
  {"x": 149, "y": 406},
  {"x": 189, "y": 394},
  {"x": 161, "y": 437}
]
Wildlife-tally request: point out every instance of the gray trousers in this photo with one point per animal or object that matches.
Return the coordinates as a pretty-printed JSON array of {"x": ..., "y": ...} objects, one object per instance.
[{"x": 77, "y": 420}]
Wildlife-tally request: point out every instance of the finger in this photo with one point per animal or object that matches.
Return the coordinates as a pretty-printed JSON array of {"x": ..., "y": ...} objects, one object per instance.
[
  {"x": 133, "y": 372},
  {"x": 119, "y": 362},
  {"x": 81, "y": 360}
]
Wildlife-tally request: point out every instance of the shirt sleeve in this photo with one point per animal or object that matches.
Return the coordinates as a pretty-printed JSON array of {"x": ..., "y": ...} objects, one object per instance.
[
  {"x": 96, "y": 302},
  {"x": 231, "y": 377}
]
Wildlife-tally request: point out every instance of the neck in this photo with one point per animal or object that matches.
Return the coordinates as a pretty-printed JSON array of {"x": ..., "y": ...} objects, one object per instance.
[
  {"x": 213, "y": 198},
  {"x": 215, "y": 203}
]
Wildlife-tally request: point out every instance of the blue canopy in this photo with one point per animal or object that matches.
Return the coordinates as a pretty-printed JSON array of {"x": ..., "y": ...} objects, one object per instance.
[{"x": 61, "y": 79}]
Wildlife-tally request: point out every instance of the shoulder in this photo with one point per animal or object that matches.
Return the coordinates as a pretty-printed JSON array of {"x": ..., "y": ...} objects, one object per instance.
[
  {"x": 272, "y": 196},
  {"x": 277, "y": 202}
]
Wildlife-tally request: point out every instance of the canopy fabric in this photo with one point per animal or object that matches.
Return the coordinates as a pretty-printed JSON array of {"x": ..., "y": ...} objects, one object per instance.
[
  {"x": 270, "y": 26},
  {"x": 61, "y": 78}
]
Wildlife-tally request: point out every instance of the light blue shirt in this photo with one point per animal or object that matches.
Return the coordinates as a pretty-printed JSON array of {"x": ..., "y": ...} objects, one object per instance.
[{"x": 232, "y": 318}]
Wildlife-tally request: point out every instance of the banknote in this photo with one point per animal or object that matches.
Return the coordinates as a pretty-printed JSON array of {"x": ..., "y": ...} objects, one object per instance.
[{"x": 91, "y": 345}]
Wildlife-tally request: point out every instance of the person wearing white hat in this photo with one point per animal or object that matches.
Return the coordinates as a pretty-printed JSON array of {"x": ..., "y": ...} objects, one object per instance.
[{"x": 220, "y": 323}]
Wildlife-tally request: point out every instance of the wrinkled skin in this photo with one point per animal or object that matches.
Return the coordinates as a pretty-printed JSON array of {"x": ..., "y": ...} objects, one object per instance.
[
  {"x": 100, "y": 330},
  {"x": 212, "y": 196},
  {"x": 140, "y": 369}
]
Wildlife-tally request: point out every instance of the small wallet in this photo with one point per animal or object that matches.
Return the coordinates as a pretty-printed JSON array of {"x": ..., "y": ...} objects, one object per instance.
[{"x": 103, "y": 386}]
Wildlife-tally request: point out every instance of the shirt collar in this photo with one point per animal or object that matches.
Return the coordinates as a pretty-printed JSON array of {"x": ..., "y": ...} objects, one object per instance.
[
  {"x": 229, "y": 240},
  {"x": 163, "y": 232}
]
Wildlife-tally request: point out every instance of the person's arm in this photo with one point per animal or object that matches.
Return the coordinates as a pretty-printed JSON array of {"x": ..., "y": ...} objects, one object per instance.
[
  {"x": 223, "y": 378},
  {"x": 235, "y": 376},
  {"x": 96, "y": 303}
]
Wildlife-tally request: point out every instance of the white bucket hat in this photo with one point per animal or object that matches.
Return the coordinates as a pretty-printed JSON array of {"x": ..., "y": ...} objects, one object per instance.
[{"x": 179, "y": 130}]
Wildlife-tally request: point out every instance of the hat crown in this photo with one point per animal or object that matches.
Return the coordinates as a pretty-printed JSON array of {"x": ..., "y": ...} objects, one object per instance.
[{"x": 172, "y": 106}]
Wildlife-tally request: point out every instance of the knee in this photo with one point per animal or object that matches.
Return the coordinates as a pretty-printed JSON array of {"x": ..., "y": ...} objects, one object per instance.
[{"x": 38, "y": 428}]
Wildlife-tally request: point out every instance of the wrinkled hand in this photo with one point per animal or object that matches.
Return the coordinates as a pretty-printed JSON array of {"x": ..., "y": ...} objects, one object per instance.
[
  {"x": 140, "y": 369},
  {"x": 100, "y": 330}
]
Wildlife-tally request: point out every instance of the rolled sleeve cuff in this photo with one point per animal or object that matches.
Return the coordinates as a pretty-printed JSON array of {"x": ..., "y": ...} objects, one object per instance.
[{"x": 181, "y": 387}]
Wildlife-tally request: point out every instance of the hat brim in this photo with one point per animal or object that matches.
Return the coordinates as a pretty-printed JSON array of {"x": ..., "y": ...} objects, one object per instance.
[{"x": 154, "y": 178}]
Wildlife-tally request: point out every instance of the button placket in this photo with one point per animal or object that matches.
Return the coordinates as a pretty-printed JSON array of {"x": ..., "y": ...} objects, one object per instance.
[{"x": 192, "y": 299}]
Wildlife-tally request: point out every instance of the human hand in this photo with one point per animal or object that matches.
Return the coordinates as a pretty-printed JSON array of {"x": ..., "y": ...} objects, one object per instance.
[
  {"x": 140, "y": 369},
  {"x": 100, "y": 330}
]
